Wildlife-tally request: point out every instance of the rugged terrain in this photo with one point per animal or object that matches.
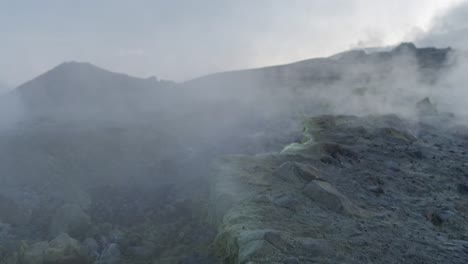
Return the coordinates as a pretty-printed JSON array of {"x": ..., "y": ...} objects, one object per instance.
[
  {"x": 102, "y": 167},
  {"x": 375, "y": 189}
]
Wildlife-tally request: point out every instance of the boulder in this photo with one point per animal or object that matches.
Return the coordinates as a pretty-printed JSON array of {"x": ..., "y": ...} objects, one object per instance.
[
  {"x": 426, "y": 108},
  {"x": 441, "y": 217}
]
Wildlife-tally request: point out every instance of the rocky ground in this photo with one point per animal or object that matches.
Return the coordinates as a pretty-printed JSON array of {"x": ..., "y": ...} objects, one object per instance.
[
  {"x": 114, "y": 225},
  {"x": 375, "y": 189},
  {"x": 99, "y": 194},
  {"x": 83, "y": 192}
]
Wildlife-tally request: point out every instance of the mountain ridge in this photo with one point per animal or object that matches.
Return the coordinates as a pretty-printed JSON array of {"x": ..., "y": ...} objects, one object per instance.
[
  {"x": 350, "y": 54},
  {"x": 77, "y": 87},
  {"x": 74, "y": 65}
]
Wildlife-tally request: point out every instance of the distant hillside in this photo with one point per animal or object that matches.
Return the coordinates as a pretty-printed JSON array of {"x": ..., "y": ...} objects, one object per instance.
[
  {"x": 350, "y": 82},
  {"x": 331, "y": 69},
  {"x": 82, "y": 87},
  {"x": 353, "y": 81}
]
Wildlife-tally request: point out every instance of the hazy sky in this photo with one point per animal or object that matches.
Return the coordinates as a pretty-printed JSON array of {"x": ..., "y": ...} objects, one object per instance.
[{"x": 180, "y": 40}]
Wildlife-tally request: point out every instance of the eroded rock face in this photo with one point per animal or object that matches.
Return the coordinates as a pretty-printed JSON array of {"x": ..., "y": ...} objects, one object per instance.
[{"x": 377, "y": 189}]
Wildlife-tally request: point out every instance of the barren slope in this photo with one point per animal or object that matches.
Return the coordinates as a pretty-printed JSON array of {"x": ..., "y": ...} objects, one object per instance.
[{"x": 376, "y": 189}]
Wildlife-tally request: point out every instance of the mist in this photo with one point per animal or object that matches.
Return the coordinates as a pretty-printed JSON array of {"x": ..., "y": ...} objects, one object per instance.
[{"x": 447, "y": 29}]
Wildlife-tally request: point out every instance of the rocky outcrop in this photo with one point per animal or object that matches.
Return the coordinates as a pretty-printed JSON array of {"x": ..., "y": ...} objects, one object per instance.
[
  {"x": 426, "y": 108},
  {"x": 376, "y": 189}
]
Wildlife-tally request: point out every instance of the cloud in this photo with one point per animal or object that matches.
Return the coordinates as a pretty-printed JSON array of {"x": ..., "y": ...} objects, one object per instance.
[
  {"x": 134, "y": 52},
  {"x": 449, "y": 28},
  {"x": 180, "y": 40}
]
